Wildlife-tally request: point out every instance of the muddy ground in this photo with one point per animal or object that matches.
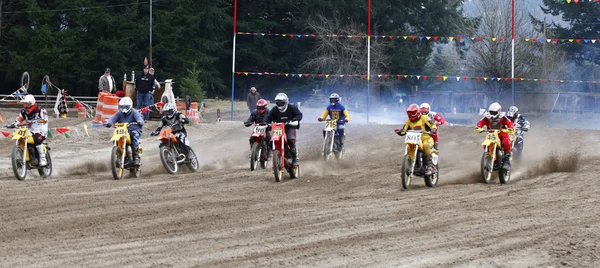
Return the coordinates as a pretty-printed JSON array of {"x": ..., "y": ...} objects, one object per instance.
[{"x": 346, "y": 213}]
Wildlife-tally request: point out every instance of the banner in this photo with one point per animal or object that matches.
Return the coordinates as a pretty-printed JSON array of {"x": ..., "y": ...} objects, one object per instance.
[{"x": 417, "y": 77}]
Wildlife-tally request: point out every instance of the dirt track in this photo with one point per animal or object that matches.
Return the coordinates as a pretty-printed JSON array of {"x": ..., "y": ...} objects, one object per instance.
[{"x": 349, "y": 213}]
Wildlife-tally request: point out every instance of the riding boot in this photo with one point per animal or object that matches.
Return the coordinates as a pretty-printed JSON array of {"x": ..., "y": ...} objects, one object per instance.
[
  {"x": 40, "y": 148},
  {"x": 294, "y": 154},
  {"x": 506, "y": 161},
  {"x": 428, "y": 165},
  {"x": 136, "y": 155}
]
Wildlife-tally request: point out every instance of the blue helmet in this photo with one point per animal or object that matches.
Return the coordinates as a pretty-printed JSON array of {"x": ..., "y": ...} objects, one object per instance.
[{"x": 334, "y": 98}]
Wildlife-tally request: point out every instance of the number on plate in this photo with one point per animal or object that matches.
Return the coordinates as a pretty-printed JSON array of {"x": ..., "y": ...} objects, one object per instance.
[
  {"x": 412, "y": 137},
  {"x": 277, "y": 131}
]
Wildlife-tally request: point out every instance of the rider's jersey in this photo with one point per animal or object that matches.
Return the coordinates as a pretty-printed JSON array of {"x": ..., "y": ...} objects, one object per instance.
[
  {"x": 165, "y": 121},
  {"x": 336, "y": 112},
  {"x": 131, "y": 117},
  {"x": 495, "y": 123},
  {"x": 423, "y": 124},
  {"x": 38, "y": 119},
  {"x": 292, "y": 113},
  {"x": 256, "y": 118},
  {"x": 437, "y": 118},
  {"x": 520, "y": 121}
]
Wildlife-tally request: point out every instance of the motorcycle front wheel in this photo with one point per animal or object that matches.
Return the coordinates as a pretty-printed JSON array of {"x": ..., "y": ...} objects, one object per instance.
[
  {"x": 406, "y": 176},
  {"x": 255, "y": 153},
  {"x": 277, "y": 166},
  {"x": 327, "y": 145},
  {"x": 167, "y": 157},
  {"x": 116, "y": 165},
  {"x": 19, "y": 164},
  {"x": 487, "y": 167}
]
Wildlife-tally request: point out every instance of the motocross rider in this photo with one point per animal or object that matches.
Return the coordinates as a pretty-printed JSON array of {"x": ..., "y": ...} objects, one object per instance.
[
  {"x": 36, "y": 119},
  {"x": 338, "y": 112},
  {"x": 127, "y": 114},
  {"x": 284, "y": 113},
  {"x": 170, "y": 118},
  {"x": 258, "y": 117},
  {"x": 435, "y": 118},
  {"x": 417, "y": 121},
  {"x": 520, "y": 122},
  {"x": 495, "y": 120}
]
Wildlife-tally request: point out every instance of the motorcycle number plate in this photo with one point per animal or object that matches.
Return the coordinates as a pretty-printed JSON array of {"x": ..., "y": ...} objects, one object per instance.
[
  {"x": 330, "y": 124},
  {"x": 120, "y": 131},
  {"x": 259, "y": 130},
  {"x": 412, "y": 137},
  {"x": 491, "y": 137},
  {"x": 277, "y": 131},
  {"x": 22, "y": 132}
]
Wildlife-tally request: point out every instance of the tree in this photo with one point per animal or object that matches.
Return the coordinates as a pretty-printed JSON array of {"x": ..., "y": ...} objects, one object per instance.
[{"x": 191, "y": 84}]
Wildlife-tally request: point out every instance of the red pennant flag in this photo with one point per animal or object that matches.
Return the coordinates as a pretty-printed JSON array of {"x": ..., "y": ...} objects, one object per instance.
[
  {"x": 578, "y": 40},
  {"x": 425, "y": 77},
  {"x": 62, "y": 130},
  {"x": 145, "y": 61},
  {"x": 414, "y": 37},
  {"x": 160, "y": 104},
  {"x": 292, "y": 35},
  {"x": 238, "y": 73},
  {"x": 576, "y": 1},
  {"x": 144, "y": 110},
  {"x": 364, "y": 76},
  {"x": 435, "y": 38},
  {"x": 465, "y": 78},
  {"x": 501, "y": 38},
  {"x": 306, "y": 75},
  {"x": 533, "y": 40},
  {"x": 478, "y": 78},
  {"x": 6, "y": 134},
  {"x": 506, "y": 79},
  {"x": 437, "y": 77},
  {"x": 77, "y": 105},
  {"x": 458, "y": 38},
  {"x": 555, "y": 40},
  {"x": 319, "y": 75},
  {"x": 398, "y": 76},
  {"x": 542, "y": 80},
  {"x": 385, "y": 76}
]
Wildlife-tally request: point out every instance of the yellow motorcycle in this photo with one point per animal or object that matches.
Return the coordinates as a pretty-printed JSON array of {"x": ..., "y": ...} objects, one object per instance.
[
  {"x": 491, "y": 160},
  {"x": 25, "y": 156},
  {"x": 121, "y": 156},
  {"x": 414, "y": 161}
]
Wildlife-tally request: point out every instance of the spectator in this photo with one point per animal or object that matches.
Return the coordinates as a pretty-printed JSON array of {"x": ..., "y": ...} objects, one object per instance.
[
  {"x": 143, "y": 86},
  {"x": 252, "y": 98},
  {"x": 107, "y": 83}
]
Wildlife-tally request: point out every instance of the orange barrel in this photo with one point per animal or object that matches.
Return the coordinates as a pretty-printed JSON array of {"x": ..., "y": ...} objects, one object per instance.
[
  {"x": 110, "y": 107},
  {"x": 194, "y": 112},
  {"x": 99, "y": 105},
  {"x": 81, "y": 113}
]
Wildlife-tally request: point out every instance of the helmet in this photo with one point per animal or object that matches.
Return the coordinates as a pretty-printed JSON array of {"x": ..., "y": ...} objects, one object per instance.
[
  {"x": 512, "y": 111},
  {"x": 494, "y": 110},
  {"x": 125, "y": 105},
  {"x": 424, "y": 108},
  {"x": 169, "y": 110},
  {"x": 28, "y": 103},
  {"x": 261, "y": 106},
  {"x": 334, "y": 98},
  {"x": 281, "y": 100},
  {"x": 413, "y": 112}
]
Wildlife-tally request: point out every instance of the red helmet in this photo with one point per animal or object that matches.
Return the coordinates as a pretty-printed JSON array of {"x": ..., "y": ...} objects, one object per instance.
[
  {"x": 413, "y": 112},
  {"x": 261, "y": 106}
]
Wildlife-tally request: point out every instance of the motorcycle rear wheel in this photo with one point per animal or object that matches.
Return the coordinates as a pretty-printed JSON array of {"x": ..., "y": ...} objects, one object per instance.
[
  {"x": 46, "y": 171},
  {"x": 19, "y": 165},
  {"x": 406, "y": 178},
  {"x": 167, "y": 157},
  {"x": 115, "y": 166},
  {"x": 264, "y": 156},
  {"x": 193, "y": 164}
]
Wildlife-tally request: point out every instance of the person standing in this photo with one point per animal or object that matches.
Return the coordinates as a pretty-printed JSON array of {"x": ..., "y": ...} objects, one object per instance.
[
  {"x": 107, "y": 83},
  {"x": 252, "y": 99},
  {"x": 143, "y": 86}
]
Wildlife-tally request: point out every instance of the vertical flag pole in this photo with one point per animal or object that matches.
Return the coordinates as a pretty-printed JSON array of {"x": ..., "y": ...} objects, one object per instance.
[
  {"x": 368, "y": 59},
  {"x": 513, "y": 54},
  {"x": 233, "y": 57}
]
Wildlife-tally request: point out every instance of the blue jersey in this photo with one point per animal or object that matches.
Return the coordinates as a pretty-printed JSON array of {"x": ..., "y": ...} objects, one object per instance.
[
  {"x": 133, "y": 116},
  {"x": 337, "y": 112}
]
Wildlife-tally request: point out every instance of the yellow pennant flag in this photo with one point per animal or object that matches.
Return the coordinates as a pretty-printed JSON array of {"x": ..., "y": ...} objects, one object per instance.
[
  {"x": 494, "y": 39},
  {"x": 571, "y": 40},
  {"x": 246, "y": 74},
  {"x": 283, "y": 35},
  {"x": 405, "y": 37},
  {"x": 445, "y": 77},
  {"x": 522, "y": 79},
  {"x": 326, "y": 76},
  {"x": 526, "y": 39},
  {"x": 485, "y": 79},
  {"x": 568, "y": 1},
  {"x": 287, "y": 74},
  {"x": 405, "y": 76},
  {"x": 451, "y": 38}
]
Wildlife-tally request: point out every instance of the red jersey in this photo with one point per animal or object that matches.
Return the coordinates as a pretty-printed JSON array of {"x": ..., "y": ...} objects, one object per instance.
[{"x": 495, "y": 123}]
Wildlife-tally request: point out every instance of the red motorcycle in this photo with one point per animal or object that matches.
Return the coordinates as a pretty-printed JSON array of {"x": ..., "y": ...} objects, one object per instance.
[
  {"x": 259, "y": 151},
  {"x": 282, "y": 157}
]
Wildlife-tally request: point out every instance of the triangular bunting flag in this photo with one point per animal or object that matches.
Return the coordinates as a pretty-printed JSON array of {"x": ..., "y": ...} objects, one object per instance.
[
  {"x": 405, "y": 76},
  {"x": 485, "y": 79},
  {"x": 326, "y": 76},
  {"x": 405, "y": 37},
  {"x": 457, "y": 78},
  {"x": 451, "y": 37},
  {"x": 62, "y": 130},
  {"x": 425, "y": 77},
  {"x": 6, "y": 134},
  {"x": 494, "y": 39},
  {"x": 593, "y": 41},
  {"x": 548, "y": 40},
  {"x": 428, "y": 37},
  {"x": 418, "y": 76},
  {"x": 246, "y": 74},
  {"x": 49, "y": 134},
  {"x": 67, "y": 135},
  {"x": 445, "y": 77}
]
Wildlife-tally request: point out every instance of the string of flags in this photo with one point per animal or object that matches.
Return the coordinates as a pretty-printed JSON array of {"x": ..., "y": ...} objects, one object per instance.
[
  {"x": 576, "y": 1},
  {"x": 439, "y": 38},
  {"x": 417, "y": 77},
  {"x": 59, "y": 130}
]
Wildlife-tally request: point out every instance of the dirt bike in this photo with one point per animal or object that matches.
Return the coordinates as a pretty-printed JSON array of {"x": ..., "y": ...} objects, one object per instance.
[
  {"x": 121, "y": 156},
  {"x": 282, "y": 157},
  {"x": 170, "y": 151},
  {"x": 330, "y": 143},
  {"x": 414, "y": 161},
  {"x": 259, "y": 151},
  {"x": 491, "y": 160},
  {"x": 25, "y": 156},
  {"x": 517, "y": 143}
]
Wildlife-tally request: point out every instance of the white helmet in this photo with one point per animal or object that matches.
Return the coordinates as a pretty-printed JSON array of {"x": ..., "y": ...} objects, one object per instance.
[
  {"x": 281, "y": 100},
  {"x": 125, "y": 105},
  {"x": 169, "y": 110},
  {"x": 512, "y": 111},
  {"x": 494, "y": 110},
  {"x": 424, "y": 108}
]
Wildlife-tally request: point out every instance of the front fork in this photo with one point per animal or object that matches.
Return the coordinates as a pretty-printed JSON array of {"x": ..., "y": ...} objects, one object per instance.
[
  {"x": 492, "y": 152},
  {"x": 412, "y": 150}
]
